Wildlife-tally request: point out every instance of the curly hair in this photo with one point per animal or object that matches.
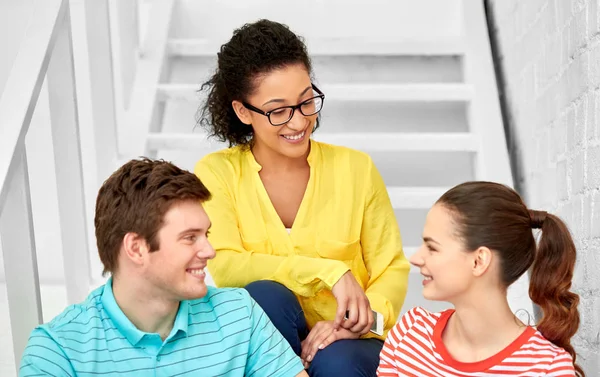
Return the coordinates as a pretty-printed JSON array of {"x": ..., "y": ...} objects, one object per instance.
[{"x": 254, "y": 50}]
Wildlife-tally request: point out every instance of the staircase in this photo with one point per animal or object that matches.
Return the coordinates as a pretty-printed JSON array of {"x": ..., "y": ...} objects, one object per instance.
[{"x": 409, "y": 82}]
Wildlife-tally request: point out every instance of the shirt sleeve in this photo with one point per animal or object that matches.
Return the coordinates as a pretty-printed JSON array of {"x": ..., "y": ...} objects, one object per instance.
[
  {"x": 387, "y": 364},
  {"x": 562, "y": 365},
  {"x": 269, "y": 353},
  {"x": 383, "y": 255},
  {"x": 234, "y": 266},
  {"x": 44, "y": 357}
]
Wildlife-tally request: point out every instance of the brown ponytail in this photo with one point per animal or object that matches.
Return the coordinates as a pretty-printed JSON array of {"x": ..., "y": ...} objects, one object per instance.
[
  {"x": 550, "y": 282},
  {"x": 493, "y": 215}
]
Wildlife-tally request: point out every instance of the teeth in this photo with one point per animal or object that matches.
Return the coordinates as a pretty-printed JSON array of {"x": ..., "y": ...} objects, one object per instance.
[
  {"x": 197, "y": 272},
  {"x": 428, "y": 277},
  {"x": 296, "y": 137}
]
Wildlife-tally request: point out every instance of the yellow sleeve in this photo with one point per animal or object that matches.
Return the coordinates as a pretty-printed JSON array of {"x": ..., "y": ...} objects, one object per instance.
[
  {"x": 234, "y": 266},
  {"x": 382, "y": 251}
]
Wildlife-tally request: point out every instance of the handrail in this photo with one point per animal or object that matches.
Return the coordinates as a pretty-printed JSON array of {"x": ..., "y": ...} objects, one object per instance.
[
  {"x": 102, "y": 91},
  {"x": 22, "y": 89},
  {"x": 17, "y": 105},
  {"x": 45, "y": 55}
]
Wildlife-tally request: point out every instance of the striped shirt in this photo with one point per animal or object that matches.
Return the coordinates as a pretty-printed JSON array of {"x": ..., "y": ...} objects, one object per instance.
[
  {"x": 224, "y": 333},
  {"x": 414, "y": 347}
]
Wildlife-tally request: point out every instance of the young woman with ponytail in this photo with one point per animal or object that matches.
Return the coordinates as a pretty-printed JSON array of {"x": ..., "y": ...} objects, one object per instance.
[{"x": 477, "y": 241}]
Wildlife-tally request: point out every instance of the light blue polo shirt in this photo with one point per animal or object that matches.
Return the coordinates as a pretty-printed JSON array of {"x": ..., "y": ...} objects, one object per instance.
[{"x": 225, "y": 333}]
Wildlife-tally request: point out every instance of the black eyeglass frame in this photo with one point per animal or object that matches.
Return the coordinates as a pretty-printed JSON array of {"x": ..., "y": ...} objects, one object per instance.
[{"x": 298, "y": 106}]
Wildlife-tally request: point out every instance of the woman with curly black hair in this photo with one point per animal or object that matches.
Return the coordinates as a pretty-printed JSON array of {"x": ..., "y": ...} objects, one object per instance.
[{"x": 306, "y": 227}]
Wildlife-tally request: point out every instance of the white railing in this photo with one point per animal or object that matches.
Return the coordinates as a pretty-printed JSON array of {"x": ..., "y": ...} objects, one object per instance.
[
  {"x": 46, "y": 56},
  {"x": 101, "y": 88},
  {"x": 45, "y": 53}
]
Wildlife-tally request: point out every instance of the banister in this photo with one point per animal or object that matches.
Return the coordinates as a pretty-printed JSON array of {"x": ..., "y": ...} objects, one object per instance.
[
  {"x": 45, "y": 55},
  {"x": 22, "y": 89}
]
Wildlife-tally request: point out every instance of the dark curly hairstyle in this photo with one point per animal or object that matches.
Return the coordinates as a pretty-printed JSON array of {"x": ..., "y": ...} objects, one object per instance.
[{"x": 254, "y": 49}]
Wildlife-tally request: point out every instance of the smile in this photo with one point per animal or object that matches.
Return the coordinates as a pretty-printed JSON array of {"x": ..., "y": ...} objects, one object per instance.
[
  {"x": 295, "y": 137},
  {"x": 197, "y": 272}
]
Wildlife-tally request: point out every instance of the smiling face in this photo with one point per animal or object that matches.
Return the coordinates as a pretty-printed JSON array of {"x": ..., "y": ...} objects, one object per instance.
[
  {"x": 449, "y": 270},
  {"x": 287, "y": 86},
  {"x": 176, "y": 270}
]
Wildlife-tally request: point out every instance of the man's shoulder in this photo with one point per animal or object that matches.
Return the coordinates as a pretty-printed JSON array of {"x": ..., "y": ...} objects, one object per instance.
[
  {"x": 81, "y": 314},
  {"x": 70, "y": 328},
  {"x": 223, "y": 312},
  {"x": 221, "y": 301}
]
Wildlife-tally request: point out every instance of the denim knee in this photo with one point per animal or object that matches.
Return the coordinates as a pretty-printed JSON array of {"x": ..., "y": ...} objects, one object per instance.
[
  {"x": 271, "y": 289},
  {"x": 283, "y": 309},
  {"x": 348, "y": 358}
]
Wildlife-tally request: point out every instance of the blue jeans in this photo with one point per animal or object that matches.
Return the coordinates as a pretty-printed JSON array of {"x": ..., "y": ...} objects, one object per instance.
[{"x": 348, "y": 358}]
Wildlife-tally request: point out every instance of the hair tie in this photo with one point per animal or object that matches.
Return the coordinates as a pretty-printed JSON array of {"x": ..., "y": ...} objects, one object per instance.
[{"x": 537, "y": 218}]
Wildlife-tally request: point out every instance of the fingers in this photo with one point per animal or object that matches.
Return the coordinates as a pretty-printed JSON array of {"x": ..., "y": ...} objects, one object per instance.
[
  {"x": 318, "y": 344},
  {"x": 364, "y": 328},
  {"x": 304, "y": 354},
  {"x": 361, "y": 322},
  {"x": 351, "y": 299},
  {"x": 341, "y": 293},
  {"x": 354, "y": 314},
  {"x": 311, "y": 346},
  {"x": 330, "y": 339},
  {"x": 365, "y": 318},
  {"x": 305, "y": 364},
  {"x": 342, "y": 307},
  {"x": 337, "y": 335}
]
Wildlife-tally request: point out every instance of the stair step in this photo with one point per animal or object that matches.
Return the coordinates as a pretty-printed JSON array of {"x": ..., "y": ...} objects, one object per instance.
[
  {"x": 396, "y": 141},
  {"x": 340, "y": 47},
  {"x": 368, "y": 142},
  {"x": 414, "y": 197},
  {"x": 353, "y": 92}
]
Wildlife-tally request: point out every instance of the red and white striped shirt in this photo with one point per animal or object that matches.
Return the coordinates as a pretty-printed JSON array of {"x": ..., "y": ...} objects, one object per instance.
[{"x": 414, "y": 347}]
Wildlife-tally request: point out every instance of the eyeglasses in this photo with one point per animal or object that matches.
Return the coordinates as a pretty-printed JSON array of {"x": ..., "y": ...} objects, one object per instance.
[{"x": 282, "y": 115}]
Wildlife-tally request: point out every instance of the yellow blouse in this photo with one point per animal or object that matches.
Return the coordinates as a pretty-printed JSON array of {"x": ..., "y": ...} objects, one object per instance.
[{"x": 345, "y": 222}]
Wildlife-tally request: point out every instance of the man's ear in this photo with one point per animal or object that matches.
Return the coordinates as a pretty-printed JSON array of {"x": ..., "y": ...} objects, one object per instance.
[
  {"x": 135, "y": 248},
  {"x": 482, "y": 260},
  {"x": 242, "y": 112}
]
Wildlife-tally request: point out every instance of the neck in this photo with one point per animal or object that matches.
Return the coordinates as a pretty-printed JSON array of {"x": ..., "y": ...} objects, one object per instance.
[
  {"x": 484, "y": 324},
  {"x": 147, "y": 311},
  {"x": 272, "y": 161}
]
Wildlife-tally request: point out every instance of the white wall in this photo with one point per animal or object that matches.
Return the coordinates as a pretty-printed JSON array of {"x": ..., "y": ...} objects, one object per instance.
[{"x": 550, "y": 60}]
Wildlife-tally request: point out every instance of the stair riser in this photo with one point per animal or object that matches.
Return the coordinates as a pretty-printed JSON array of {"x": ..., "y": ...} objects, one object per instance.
[
  {"x": 353, "y": 116},
  {"x": 345, "y": 69},
  {"x": 317, "y": 18}
]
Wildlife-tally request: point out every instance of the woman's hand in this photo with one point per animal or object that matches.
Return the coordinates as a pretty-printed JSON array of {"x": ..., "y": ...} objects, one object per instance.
[
  {"x": 319, "y": 337},
  {"x": 352, "y": 299}
]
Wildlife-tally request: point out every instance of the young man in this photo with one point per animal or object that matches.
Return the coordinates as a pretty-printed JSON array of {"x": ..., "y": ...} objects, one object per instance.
[{"x": 155, "y": 316}]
